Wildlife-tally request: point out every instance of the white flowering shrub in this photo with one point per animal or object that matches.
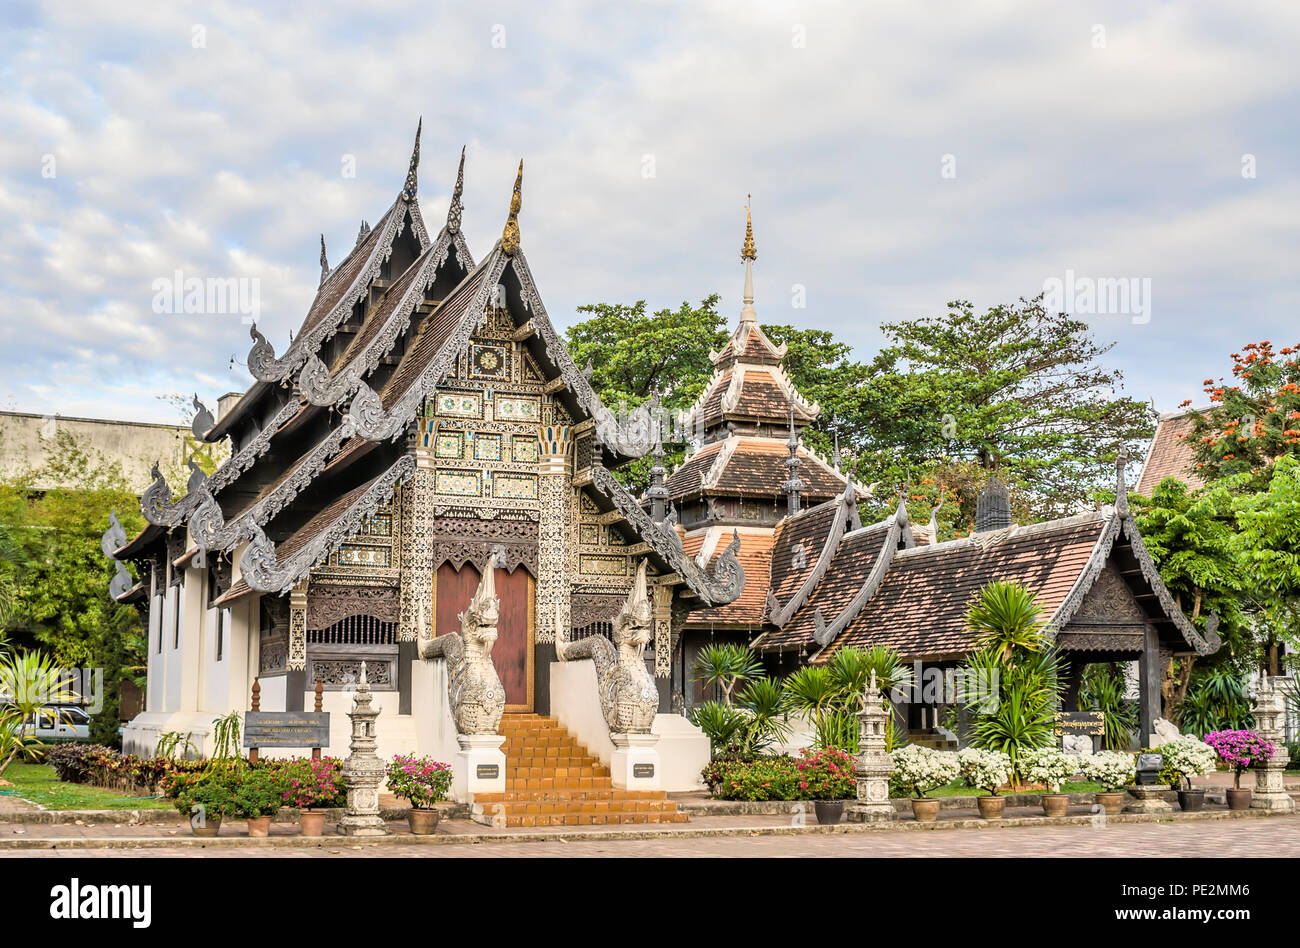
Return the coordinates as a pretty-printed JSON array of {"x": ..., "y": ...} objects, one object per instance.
[
  {"x": 1047, "y": 765},
  {"x": 1188, "y": 756},
  {"x": 1111, "y": 769},
  {"x": 986, "y": 769},
  {"x": 921, "y": 769}
]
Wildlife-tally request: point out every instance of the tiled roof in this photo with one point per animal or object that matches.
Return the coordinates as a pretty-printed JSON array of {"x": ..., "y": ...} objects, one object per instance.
[
  {"x": 756, "y": 557},
  {"x": 920, "y": 608},
  {"x": 343, "y": 276},
  {"x": 1170, "y": 455},
  {"x": 756, "y": 468},
  {"x": 434, "y": 332},
  {"x": 853, "y": 561},
  {"x": 798, "y": 547}
]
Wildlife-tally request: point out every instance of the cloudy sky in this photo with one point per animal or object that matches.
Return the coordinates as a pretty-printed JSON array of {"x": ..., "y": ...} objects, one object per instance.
[{"x": 900, "y": 155}]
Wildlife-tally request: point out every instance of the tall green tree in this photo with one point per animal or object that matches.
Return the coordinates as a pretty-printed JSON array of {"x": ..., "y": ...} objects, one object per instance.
[{"x": 1014, "y": 388}]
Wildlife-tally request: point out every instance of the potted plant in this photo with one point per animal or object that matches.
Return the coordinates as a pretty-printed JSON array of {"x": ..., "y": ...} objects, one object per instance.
[
  {"x": 205, "y": 798},
  {"x": 1240, "y": 750},
  {"x": 312, "y": 786},
  {"x": 1114, "y": 770},
  {"x": 422, "y": 782},
  {"x": 257, "y": 795},
  {"x": 919, "y": 770},
  {"x": 826, "y": 778},
  {"x": 1186, "y": 757},
  {"x": 987, "y": 770},
  {"x": 1048, "y": 766}
]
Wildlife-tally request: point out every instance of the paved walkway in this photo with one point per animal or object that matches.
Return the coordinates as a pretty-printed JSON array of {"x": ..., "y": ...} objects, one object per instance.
[{"x": 1228, "y": 838}]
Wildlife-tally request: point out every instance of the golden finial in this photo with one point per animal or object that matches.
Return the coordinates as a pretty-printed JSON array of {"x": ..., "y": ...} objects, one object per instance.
[
  {"x": 510, "y": 236},
  {"x": 749, "y": 251}
]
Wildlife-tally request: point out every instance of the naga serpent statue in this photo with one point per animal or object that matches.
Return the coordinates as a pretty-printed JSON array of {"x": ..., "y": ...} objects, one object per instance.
[
  {"x": 474, "y": 691},
  {"x": 628, "y": 696}
]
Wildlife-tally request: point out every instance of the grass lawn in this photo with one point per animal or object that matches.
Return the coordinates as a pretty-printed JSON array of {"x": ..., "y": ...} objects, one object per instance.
[
  {"x": 959, "y": 789},
  {"x": 37, "y": 784}
]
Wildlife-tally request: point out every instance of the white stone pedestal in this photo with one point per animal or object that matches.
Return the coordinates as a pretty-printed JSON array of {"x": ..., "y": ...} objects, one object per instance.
[
  {"x": 635, "y": 764},
  {"x": 1148, "y": 798},
  {"x": 480, "y": 765},
  {"x": 1270, "y": 791}
]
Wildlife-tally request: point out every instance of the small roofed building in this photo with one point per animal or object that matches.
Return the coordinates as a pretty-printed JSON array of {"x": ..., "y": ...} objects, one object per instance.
[
  {"x": 749, "y": 474},
  {"x": 1170, "y": 453},
  {"x": 1100, "y": 593}
]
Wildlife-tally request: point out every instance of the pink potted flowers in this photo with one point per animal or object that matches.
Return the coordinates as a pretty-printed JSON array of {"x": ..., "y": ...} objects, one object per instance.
[
  {"x": 422, "y": 782},
  {"x": 1240, "y": 750}
]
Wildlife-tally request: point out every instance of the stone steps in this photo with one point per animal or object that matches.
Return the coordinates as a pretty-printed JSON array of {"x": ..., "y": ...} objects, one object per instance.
[{"x": 553, "y": 780}]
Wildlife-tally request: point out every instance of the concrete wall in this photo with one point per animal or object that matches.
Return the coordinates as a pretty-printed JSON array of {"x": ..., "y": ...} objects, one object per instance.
[{"x": 135, "y": 445}]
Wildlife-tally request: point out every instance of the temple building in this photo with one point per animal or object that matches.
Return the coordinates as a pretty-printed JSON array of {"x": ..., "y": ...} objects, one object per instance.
[
  {"x": 422, "y": 482},
  {"x": 425, "y": 420}
]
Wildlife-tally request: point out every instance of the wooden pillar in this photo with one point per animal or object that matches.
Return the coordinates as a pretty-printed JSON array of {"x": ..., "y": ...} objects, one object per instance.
[
  {"x": 256, "y": 705},
  {"x": 1072, "y": 673},
  {"x": 1149, "y": 684}
]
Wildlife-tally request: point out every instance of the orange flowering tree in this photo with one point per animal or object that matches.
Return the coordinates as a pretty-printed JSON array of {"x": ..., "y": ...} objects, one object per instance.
[{"x": 1253, "y": 420}]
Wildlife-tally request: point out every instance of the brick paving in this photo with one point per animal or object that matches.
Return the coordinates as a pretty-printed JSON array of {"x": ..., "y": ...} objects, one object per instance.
[{"x": 1226, "y": 838}]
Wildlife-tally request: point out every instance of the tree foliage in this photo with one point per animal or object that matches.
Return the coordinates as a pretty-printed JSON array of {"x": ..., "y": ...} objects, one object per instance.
[{"x": 60, "y": 575}]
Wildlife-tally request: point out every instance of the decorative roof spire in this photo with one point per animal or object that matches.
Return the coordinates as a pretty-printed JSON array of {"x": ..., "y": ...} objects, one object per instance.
[
  {"x": 993, "y": 507},
  {"x": 324, "y": 261},
  {"x": 453, "y": 212},
  {"x": 510, "y": 236},
  {"x": 658, "y": 493},
  {"x": 1121, "y": 485},
  {"x": 749, "y": 253},
  {"x": 794, "y": 485},
  {"x": 412, "y": 181},
  {"x": 362, "y": 232}
]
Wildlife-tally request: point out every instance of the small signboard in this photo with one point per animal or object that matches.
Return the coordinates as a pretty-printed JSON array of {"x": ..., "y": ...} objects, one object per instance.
[
  {"x": 286, "y": 728},
  {"x": 487, "y": 771},
  {"x": 643, "y": 770},
  {"x": 1091, "y": 724}
]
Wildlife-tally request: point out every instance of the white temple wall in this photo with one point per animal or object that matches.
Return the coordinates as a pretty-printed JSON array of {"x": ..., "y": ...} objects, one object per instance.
[{"x": 170, "y": 655}]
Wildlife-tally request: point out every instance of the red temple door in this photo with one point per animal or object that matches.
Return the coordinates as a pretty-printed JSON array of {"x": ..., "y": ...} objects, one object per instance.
[{"x": 513, "y": 653}]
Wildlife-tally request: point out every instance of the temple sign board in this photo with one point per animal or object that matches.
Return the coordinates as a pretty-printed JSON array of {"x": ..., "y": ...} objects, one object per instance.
[
  {"x": 286, "y": 728},
  {"x": 1081, "y": 724}
]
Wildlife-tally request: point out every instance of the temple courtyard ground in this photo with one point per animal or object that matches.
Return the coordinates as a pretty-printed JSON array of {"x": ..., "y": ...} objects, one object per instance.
[{"x": 1272, "y": 836}]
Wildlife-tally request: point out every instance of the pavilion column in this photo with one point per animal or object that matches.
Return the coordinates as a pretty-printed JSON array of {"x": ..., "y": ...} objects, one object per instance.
[
  {"x": 1149, "y": 674},
  {"x": 415, "y": 588},
  {"x": 554, "y": 547},
  {"x": 1074, "y": 666},
  {"x": 295, "y": 682}
]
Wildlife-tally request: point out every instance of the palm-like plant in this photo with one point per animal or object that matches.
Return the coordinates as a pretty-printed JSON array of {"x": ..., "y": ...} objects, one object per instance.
[
  {"x": 1103, "y": 689},
  {"x": 725, "y": 665},
  {"x": 29, "y": 682},
  {"x": 852, "y": 668},
  {"x": 1006, "y": 617}
]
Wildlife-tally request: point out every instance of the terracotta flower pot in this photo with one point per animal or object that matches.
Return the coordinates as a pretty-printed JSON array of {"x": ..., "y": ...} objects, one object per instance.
[
  {"x": 1193, "y": 801},
  {"x": 1239, "y": 799},
  {"x": 312, "y": 822},
  {"x": 991, "y": 807},
  {"x": 828, "y": 811},
  {"x": 259, "y": 826},
  {"x": 925, "y": 811},
  {"x": 1055, "y": 804},
  {"x": 422, "y": 822},
  {"x": 210, "y": 827},
  {"x": 1112, "y": 801}
]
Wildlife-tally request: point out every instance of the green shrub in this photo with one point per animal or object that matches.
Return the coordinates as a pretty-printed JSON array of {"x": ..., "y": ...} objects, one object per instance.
[{"x": 763, "y": 778}]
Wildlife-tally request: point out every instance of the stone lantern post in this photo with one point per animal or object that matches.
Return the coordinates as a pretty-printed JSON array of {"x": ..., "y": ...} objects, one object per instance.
[
  {"x": 873, "y": 766},
  {"x": 1270, "y": 709},
  {"x": 363, "y": 771}
]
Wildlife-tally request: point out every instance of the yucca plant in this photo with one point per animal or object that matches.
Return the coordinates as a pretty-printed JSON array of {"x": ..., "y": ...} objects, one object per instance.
[
  {"x": 767, "y": 706},
  {"x": 725, "y": 665},
  {"x": 852, "y": 668},
  {"x": 29, "y": 683},
  {"x": 1006, "y": 617}
]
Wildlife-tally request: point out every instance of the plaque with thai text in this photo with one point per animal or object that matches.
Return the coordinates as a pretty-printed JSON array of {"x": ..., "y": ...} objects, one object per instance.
[{"x": 286, "y": 728}]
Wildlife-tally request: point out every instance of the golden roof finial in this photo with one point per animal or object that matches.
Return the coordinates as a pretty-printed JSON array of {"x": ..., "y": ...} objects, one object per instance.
[
  {"x": 749, "y": 251},
  {"x": 510, "y": 236}
]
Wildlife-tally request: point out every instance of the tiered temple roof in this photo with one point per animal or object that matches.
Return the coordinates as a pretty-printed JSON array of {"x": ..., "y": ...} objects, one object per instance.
[
  {"x": 320, "y": 439},
  {"x": 1170, "y": 454}
]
